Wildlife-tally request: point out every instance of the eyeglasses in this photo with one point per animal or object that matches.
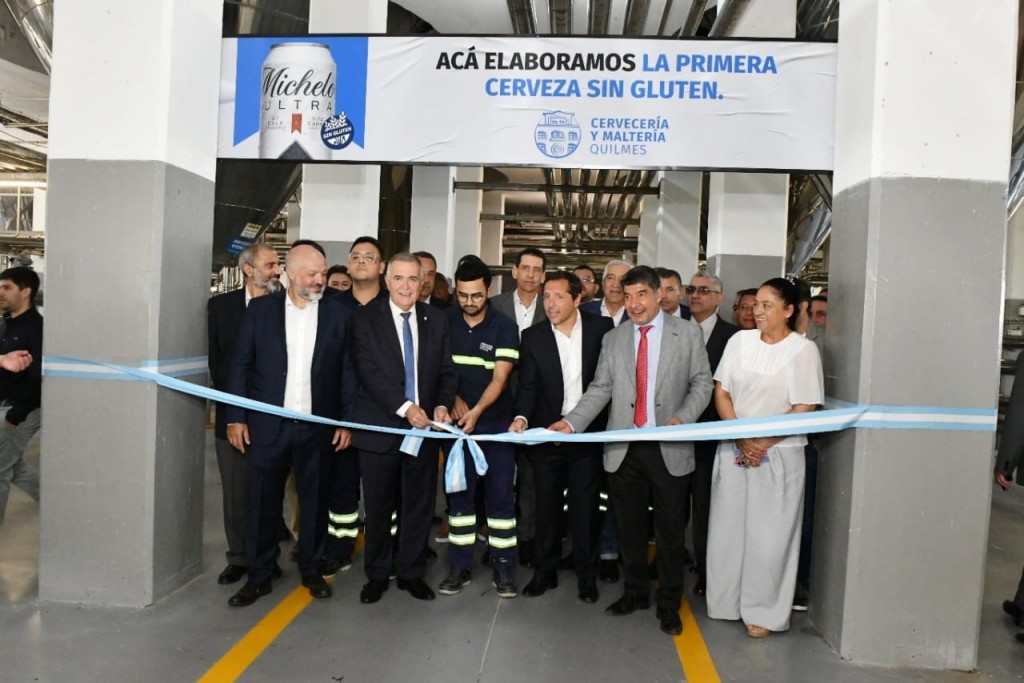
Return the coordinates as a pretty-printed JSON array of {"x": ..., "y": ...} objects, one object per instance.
[
  {"x": 703, "y": 291},
  {"x": 476, "y": 296},
  {"x": 363, "y": 258},
  {"x": 588, "y": 280}
]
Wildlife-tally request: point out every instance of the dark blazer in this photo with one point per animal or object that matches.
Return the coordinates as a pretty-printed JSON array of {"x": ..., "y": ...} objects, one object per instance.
[
  {"x": 437, "y": 303},
  {"x": 507, "y": 305},
  {"x": 1011, "y": 442},
  {"x": 259, "y": 364},
  {"x": 541, "y": 391},
  {"x": 381, "y": 369},
  {"x": 715, "y": 347},
  {"x": 224, "y": 314}
]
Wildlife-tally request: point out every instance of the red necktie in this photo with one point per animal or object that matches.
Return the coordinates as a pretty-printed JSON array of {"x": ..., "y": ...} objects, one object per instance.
[{"x": 640, "y": 407}]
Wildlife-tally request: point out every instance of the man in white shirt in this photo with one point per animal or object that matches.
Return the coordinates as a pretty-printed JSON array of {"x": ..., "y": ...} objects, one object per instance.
[
  {"x": 613, "y": 305},
  {"x": 292, "y": 351},
  {"x": 672, "y": 292},
  {"x": 523, "y": 304}
]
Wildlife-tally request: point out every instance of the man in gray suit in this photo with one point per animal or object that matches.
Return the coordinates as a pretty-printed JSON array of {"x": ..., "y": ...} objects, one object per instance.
[
  {"x": 523, "y": 304},
  {"x": 654, "y": 372}
]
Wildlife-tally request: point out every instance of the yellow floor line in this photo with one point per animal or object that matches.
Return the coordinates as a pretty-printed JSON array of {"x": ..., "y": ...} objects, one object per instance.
[
  {"x": 244, "y": 653},
  {"x": 693, "y": 651}
]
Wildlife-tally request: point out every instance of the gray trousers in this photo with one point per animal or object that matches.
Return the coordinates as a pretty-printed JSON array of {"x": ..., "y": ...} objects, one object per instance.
[
  {"x": 234, "y": 479},
  {"x": 13, "y": 469}
]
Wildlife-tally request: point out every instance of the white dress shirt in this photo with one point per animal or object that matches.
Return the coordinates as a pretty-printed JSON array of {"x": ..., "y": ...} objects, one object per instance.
[
  {"x": 708, "y": 326},
  {"x": 617, "y": 318},
  {"x": 524, "y": 313},
  {"x": 300, "y": 338},
  {"x": 570, "y": 356},
  {"x": 396, "y": 315}
]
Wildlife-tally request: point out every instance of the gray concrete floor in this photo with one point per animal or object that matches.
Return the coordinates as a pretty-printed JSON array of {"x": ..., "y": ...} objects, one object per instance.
[{"x": 474, "y": 636}]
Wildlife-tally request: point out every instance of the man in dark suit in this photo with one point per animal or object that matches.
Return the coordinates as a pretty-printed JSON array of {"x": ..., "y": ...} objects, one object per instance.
[
  {"x": 429, "y": 264},
  {"x": 262, "y": 271},
  {"x": 1011, "y": 451},
  {"x": 523, "y": 304},
  {"x": 556, "y": 364},
  {"x": 705, "y": 293},
  {"x": 654, "y": 372},
  {"x": 672, "y": 293},
  {"x": 403, "y": 356},
  {"x": 292, "y": 351}
]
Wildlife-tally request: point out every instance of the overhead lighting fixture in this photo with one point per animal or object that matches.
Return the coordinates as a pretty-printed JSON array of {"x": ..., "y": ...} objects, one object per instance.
[{"x": 34, "y": 184}]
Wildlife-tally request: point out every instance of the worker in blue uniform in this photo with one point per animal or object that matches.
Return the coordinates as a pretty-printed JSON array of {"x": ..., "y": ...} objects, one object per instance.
[{"x": 485, "y": 345}]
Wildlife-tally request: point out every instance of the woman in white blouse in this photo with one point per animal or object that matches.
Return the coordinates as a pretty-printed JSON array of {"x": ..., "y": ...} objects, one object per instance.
[{"x": 758, "y": 484}]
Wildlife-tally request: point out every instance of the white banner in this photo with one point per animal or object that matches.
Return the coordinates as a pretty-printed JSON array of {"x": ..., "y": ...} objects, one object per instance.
[{"x": 558, "y": 102}]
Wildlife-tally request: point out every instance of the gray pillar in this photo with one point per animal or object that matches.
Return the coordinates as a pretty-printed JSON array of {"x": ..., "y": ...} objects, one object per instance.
[
  {"x": 129, "y": 232},
  {"x": 915, "y": 296}
]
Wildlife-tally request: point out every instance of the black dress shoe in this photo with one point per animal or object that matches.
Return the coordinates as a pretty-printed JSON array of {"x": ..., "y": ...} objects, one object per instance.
[
  {"x": 670, "y": 621},
  {"x": 609, "y": 571},
  {"x": 372, "y": 591},
  {"x": 1010, "y": 607},
  {"x": 417, "y": 588},
  {"x": 318, "y": 588},
  {"x": 539, "y": 585},
  {"x": 701, "y": 587},
  {"x": 627, "y": 604},
  {"x": 233, "y": 573},
  {"x": 588, "y": 591},
  {"x": 249, "y": 593}
]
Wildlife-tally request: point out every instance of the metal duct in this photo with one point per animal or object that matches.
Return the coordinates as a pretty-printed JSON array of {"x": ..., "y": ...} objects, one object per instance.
[
  {"x": 35, "y": 19},
  {"x": 600, "y": 14},
  {"x": 524, "y": 18},
  {"x": 693, "y": 18},
  {"x": 636, "y": 17},
  {"x": 807, "y": 239},
  {"x": 817, "y": 19},
  {"x": 560, "y": 15},
  {"x": 728, "y": 17}
]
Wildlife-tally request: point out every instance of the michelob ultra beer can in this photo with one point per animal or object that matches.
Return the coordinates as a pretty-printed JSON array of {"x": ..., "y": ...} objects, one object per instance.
[{"x": 298, "y": 94}]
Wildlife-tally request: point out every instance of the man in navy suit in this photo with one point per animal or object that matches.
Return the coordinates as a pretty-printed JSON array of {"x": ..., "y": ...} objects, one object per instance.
[
  {"x": 403, "y": 354},
  {"x": 262, "y": 270},
  {"x": 556, "y": 364},
  {"x": 705, "y": 294},
  {"x": 292, "y": 351}
]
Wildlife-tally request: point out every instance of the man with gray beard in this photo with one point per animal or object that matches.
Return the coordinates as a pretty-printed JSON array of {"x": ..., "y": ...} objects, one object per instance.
[
  {"x": 292, "y": 351},
  {"x": 262, "y": 271}
]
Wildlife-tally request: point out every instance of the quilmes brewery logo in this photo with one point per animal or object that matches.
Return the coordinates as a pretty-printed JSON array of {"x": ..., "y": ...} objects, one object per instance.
[{"x": 558, "y": 134}]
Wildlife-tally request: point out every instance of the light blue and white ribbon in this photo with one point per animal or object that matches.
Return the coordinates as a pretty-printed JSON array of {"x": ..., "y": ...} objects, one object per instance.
[{"x": 837, "y": 416}]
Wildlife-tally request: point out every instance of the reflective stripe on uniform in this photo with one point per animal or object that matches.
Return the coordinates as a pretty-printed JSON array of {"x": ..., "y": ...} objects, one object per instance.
[
  {"x": 394, "y": 530},
  {"x": 462, "y": 520},
  {"x": 343, "y": 519},
  {"x": 503, "y": 524},
  {"x": 461, "y": 539},
  {"x": 342, "y": 532},
  {"x": 506, "y": 353},
  {"x": 473, "y": 360},
  {"x": 502, "y": 543}
]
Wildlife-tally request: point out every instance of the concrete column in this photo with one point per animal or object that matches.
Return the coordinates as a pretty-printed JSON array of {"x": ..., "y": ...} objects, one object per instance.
[
  {"x": 433, "y": 214},
  {"x": 492, "y": 232},
  {"x": 468, "y": 205},
  {"x": 748, "y": 213},
  {"x": 747, "y": 218},
  {"x": 902, "y": 516},
  {"x": 670, "y": 223},
  {"x": 342, "y": 202},
  {"x": 129, "y": 232},
  {"x": 1015, "y": 257}
]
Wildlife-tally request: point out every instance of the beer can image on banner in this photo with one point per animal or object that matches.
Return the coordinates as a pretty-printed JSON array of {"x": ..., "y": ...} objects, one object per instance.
[{"x": 299, "y": 84}]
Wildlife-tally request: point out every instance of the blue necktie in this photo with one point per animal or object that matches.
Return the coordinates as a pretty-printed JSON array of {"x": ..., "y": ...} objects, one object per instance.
[{"x": 410, "y": 358}]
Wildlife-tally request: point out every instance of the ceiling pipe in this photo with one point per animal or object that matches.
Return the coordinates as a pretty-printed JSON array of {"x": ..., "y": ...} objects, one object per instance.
[
  {"x": 728, "y": 17},
  {"x": 636, "y": 17},
  {"x": 524, "y": 19},
  {"x": 560, "y": 15},
  {"x": 599, "y": 16},
  {"x": 35, "y": 19},
  {"x": 693, "y": 18}
]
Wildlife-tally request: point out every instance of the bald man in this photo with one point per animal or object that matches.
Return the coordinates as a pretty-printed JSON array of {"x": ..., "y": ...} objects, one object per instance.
[{"x": 292, "y": 351}]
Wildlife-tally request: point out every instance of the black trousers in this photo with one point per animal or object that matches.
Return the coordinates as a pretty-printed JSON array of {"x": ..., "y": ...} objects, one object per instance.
[
  {"x": 555, "y": 467},
  {"x": 704, "y": 465},
  {"x": 304, "y": 447},
  {"x": 642, "y": 480},
  {"x": 388, "y": 478},
  {"x": 234, "y": 479}
]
